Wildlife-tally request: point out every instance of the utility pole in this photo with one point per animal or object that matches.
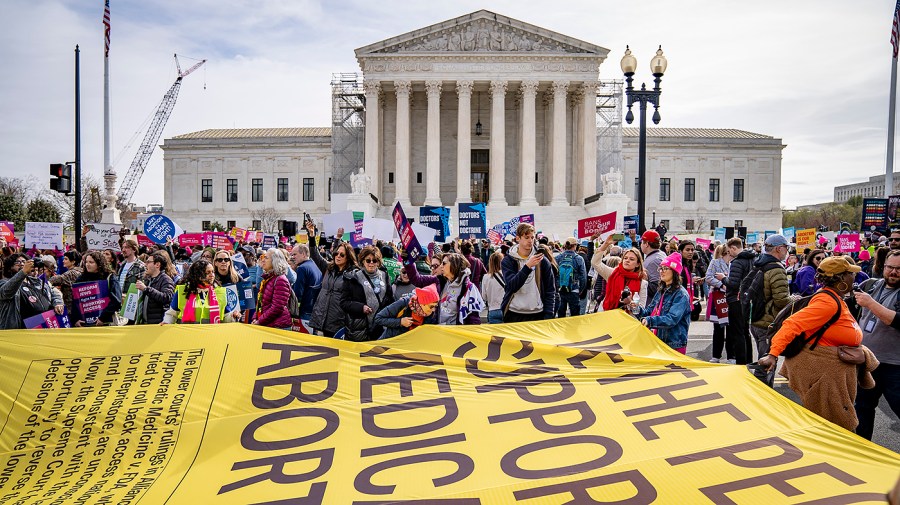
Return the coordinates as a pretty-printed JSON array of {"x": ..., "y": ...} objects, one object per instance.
[{"x": 77, "y": 148}]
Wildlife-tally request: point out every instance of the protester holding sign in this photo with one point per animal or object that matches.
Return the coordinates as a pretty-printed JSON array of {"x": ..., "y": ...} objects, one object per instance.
[
  {"x": 72, "y": 264},
  {"x": 226, "y": 275},
  {"x": 23, "y": 294},
  {"x": 716, "y": 302},
  {"x": 628, "y": 274},
  {"x": 198, "y": 300},
  {"x": 96, "y": 269},
  {"x": 131, "y": 269},
  {"x": 157, "y": 291},
  {"x": 530, "y": 289},
  {"x": 274, "y": 291},
  {"x": 327, "y": 315}
]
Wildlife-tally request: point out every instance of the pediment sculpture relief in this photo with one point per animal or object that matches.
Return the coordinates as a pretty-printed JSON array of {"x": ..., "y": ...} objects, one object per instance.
[{"x": 482, "y": 35}]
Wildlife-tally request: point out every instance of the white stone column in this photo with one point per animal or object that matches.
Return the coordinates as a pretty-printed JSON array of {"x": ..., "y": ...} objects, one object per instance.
[
  {"x": 433, "y": 144},
  {"x": 589, "y": 141},
  {"x": 464, "y": 143},
  {"x": 373, "y": 139},
  {"x": 401, "y": 171},
  {"x": 527, "y": 156},
  {"x": 558, "y": 159},
  {"x": 498, "y": 145}
]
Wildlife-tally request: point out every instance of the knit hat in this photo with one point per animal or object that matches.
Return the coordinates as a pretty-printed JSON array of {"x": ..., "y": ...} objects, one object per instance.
[
  {"x": 427, "y": 295},
  {"x": 673, "y": 261},
  {"x": 834, "y": 265},
  {"x": 864, "y": 255}
]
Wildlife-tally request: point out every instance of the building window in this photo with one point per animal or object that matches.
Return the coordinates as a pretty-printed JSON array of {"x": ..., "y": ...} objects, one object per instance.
[
  {"x": 309, "y": 193},
  {"x": 738, "y": 223},
  {"x": 256, "y": 186},
  {"x": 329, "y": 189},
  {"x": 206, "y": 190},
  {"x": 665, "y": 184},
  {"x": 739, "y": 190},
  {"x": 689, "y": 185},
  {"x": 714, "y": 190},
  {"x": 205, "y": 225},
  {"x": 390, "y": 177},
  {"x": 231, "y": 190},
  {"x": 230, "y": 224},
  {"x": 637, "y": 187},
  {"x": 713, "y": 224},
  {"x": 282, "y": 189},
  {"x": 689, "y": 224},
  {"x": 257, "y": 224},
  {"x": 418, "y": 177},
  {"x": 535, "y": 177}
]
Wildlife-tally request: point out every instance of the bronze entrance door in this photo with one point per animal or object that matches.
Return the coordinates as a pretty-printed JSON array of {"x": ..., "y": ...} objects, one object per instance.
[{"x": 480, "y": 174}]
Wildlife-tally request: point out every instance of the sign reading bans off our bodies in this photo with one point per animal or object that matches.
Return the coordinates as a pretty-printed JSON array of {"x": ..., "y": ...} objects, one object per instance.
[{"x": 554, "y": 412}]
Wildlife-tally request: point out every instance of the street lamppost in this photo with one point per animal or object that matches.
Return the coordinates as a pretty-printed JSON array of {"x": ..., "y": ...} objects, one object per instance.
[
  {"x": 654, "y": 218},
  {"x": 643, "y": 96}
]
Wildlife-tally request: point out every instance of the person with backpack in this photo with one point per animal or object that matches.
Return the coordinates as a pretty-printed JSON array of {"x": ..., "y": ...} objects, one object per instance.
[
  {"x": 765, "y": 290},
  {"x": 492, "y": 287},
  {"x": 812, "y": 341},
  {"x": 572, "y": 277}
]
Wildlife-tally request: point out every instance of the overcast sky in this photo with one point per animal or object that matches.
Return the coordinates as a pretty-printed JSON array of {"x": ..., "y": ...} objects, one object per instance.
[{"x": 815, "y": 73}]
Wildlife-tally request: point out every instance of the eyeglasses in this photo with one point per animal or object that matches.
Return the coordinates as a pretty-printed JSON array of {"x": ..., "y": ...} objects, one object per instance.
[
  {"x": 894, "y": 239},
  {"x": 891, "y": 269},
  {"x": 663, "y": 269},
  {"x": 340, "y": 255},
  {"x": 20, "y": 262},
  {"x": 223, "y": 260},
  {"x": 370, "y": 260},
  {"x": 435, "y": 267}
]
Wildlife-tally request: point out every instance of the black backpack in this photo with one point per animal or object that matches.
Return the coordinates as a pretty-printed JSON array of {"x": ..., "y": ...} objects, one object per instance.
[
  {"x": 800, "y": 341},
  {"x": 752, "y": 292}
]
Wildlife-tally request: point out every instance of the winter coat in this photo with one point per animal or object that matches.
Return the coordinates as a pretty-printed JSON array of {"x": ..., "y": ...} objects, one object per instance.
[
  {"x": 10, "y": 311},
  {"x": 358, "y": 293},
  {"x": 776, "y": 290},
  {"x": 307, "y": 286},
  {"x": 274, "y": 293},
  {"x": 805, "y": 282},
  {"x": 515, "y": 273},
  {"x": 739, "y": 268},
  {"x": 390, "y": 316},
  {"x": 135, "y": 273},
  {"x": 156, "y": 299},
  {"x": 64, "y": 283},
  {"x": 673, "y": 320},
  {"x": 440, "y": 282},
  {"x": 327, "y": 314}
]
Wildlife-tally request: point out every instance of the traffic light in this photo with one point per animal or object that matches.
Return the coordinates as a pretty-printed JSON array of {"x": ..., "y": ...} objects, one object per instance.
[{"x": 61, "y": 177}]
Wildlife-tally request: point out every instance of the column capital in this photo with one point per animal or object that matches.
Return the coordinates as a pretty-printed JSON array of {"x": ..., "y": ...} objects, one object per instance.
[
  {"x": 464, "y": 88},
  {"x": 529, "y": 88},
  {"x": 433, "y": 88},
  {"x": 590, "y": 87},
  {"x": 371, "y": 86},
  {"x": 402, "y": 87},
  {"x": 560, "y": 87},
  {"x": 498, "y": 87}
]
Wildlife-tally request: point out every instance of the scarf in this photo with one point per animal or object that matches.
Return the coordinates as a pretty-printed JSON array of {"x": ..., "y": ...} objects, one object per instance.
[
  {"x": 418, "y": 314},
  {"x": 195, "y": 301},
  {"x": 618, "y": 279}
]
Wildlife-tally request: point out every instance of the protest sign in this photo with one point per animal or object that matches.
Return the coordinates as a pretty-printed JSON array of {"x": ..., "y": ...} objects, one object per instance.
[
  {"x": 604, "y": 224},
  {"x": 631, "y": 223},
  {"x": 753, "y": 237},
  {"x": 846, "y": 242},
  {"x": 218, "y": 240},
  {"x": 378, "y": 229},
  {"x": 407, "y": 236},
  {"x": 703, "y": 243},
  {"x": 874, "y": 214},
  {"x": 332, "y": 222},
  {"x": 143, "y": 240},
  {"x": 806, "y": 238},
  {"x": 495, "y": 234},
  {"x": 48, "y": 320},
  {"x": 238, "y": 233},
  {"x": 893, "y": 212},
  {"x": 190, "y": 239},
  {"x": 103, "y": 236},
  {"x": 130, "y": 303},
  {"x": 240, "y": 265},
  {"x": 527, "y": 218},
  {"x": 253, "y": 236},
  {"x": 424, "y": 234},
  {"x": 472, "y": 220},
  {"x": 158, "y": 228},
  {"x": 303, "y": 238},
  {"x": 90, "y": 299},
  {"x": 354, "y": 235},
  {"x": 7, "y": 231},
  {"x": 437, "y": 218},
  {"x": 789, "y": 232},
  {"x": 459, "y": 414},
  {"x": 720, "y": 234},
  {"x": 43, "y": 235},
  {"x": 268, "y": 241}
]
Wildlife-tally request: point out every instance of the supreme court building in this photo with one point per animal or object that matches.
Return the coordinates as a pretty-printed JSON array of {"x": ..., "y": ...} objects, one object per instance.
[{"x": 480, "y": 108}]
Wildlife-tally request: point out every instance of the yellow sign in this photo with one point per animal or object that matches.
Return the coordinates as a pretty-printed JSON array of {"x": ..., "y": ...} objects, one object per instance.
[
  {"x": 806, "y": 238},
  {"x": 565, "y": 411},
  {"x": 301, "y": 238}
]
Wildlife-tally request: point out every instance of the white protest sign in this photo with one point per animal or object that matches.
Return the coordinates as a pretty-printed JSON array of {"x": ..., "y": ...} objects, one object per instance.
[
  {"x": 331, "y": 222},
  {"x": 378, "y": 229},
  {"x": 43, "y": 235},
  {"x": 103, "y": 236},
  {"x": 424, "y": 234}
]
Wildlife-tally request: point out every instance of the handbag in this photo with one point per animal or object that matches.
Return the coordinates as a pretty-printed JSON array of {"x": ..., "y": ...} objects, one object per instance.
[
  {"x": 853, "y": 355},
  {"x": 695, "y": 311}
]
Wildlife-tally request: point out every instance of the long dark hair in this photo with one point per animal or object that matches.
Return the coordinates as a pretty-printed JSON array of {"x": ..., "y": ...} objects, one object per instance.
[
  {"x": 812, "y": 254},
  {"x": 196, "y": 275},
  {"x": 9, "y": 262},
  {"x": 103, "y": 268},
  {"x": 349, "y": 255}
]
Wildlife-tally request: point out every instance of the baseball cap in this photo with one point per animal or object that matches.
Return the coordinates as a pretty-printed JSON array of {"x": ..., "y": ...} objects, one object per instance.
[
  {"x": 834, "y": 265},
  {"x": 776, "y": 240},
  {"x": 649, "y": 236},
  {"x": 571, "y": 241}
]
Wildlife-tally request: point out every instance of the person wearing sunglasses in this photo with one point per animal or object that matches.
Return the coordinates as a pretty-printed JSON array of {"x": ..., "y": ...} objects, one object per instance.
[
  {"x": 227, "y": 275},
  {"x": 366, "y": 292},
  {"x": 327, "y": 315},
  {"x": 805, "y": 282}
]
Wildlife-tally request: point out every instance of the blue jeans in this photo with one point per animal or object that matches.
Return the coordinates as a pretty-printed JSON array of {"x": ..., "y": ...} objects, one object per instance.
[
  {"x": 887, "y": 383},
  {"x": 495, "y": 316},
  {"x": 574, "y": 303}
]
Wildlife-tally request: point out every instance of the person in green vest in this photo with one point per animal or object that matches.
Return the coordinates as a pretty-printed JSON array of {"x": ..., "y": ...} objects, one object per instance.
[{"x": 199, "y": 300}]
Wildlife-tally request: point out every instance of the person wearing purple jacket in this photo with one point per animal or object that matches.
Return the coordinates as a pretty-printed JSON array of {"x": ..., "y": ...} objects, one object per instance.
[
  {"x": 274, "y": 291},
  {"x": 805, "y": 282}
]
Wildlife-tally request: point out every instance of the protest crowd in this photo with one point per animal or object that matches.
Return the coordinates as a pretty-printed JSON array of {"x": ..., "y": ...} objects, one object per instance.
[{"x": 829, "y": 312}]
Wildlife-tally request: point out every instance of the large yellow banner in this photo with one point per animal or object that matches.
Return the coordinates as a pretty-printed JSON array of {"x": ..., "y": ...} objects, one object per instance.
[{"x": 592, "y": 409}]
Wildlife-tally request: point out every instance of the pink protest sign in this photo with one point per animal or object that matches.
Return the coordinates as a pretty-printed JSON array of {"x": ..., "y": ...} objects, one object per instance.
[
  {"x": 6, "y": 231},
  {"x": 846, "y": 243},
  {"x": 591, "y": 225},
  {"x": 190, "y": 239},
  {"x": 704, "y": 242},
  {"x": 144, "y": 240}
]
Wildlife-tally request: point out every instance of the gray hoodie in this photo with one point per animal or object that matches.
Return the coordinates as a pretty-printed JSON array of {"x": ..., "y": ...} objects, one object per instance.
[{"x": 527, "y": 300}]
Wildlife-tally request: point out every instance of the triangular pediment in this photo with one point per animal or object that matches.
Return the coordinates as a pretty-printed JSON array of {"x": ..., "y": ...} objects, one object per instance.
[{"x": 482, "y": 32}]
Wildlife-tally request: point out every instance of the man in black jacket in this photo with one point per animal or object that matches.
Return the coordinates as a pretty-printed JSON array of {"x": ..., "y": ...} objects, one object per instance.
[
  {"x": 157, "y": 292},
  {"x": 737, "y": 323}
]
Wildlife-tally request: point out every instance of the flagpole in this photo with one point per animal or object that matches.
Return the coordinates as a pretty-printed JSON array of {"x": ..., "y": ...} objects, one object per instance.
[
  {"x": 889, "y": 168},
  {"x": 110, "y": 213}
]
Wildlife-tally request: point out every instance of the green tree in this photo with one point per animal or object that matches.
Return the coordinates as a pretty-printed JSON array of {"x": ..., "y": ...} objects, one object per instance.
[
  {"x": 216, "y": 226},
  {"x": 12, "y": 209},
  {"x": 42, "y": 211}
]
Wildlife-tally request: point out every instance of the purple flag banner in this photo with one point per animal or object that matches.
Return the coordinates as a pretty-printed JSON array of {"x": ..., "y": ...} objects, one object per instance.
[
  {"x": 407, "y": 236},
  {"x": 49, "y": 319},
  {"x": 90, "y": 300}
]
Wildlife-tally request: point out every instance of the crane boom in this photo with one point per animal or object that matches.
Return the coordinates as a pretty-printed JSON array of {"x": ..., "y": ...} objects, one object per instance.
[{"x": 154, "y": 132}]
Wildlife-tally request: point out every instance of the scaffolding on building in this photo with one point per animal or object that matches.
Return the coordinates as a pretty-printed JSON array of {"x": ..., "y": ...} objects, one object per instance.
[
  {"x": 348, "y": 129},
  {"x": 609, "y": 127}
]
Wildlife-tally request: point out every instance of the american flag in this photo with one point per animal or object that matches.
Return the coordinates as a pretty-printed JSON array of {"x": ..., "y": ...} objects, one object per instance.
[
  {"x": 895, "y": 30},
  {"x": 106, "y": 26}
]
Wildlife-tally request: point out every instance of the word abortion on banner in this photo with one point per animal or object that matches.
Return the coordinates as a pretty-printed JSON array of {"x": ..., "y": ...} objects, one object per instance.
[
  {"x": 43, "y": 235},
  {"x": 438, "y": 219},
  {"x": 613, "y": 413},
  {"x": 605, "y": 225},
  {"x": 407, "y": 236},
  {"x": 159, "y": 228},
  {"x": 874, "y": 214},
  {"x": 846, "y": 242},
  {"x": 806, "y": 238},
  {"x": 472, "y": 220},
  {"x": 103, "y": 236},
  {"x": 90, "y": 298}
]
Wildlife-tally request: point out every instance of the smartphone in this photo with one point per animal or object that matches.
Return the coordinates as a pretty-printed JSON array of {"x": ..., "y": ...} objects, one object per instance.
[{"x": 618, "y": 237}]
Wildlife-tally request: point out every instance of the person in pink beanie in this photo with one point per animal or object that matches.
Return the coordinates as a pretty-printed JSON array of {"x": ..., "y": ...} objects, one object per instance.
[{"x": 669, "y": 314}]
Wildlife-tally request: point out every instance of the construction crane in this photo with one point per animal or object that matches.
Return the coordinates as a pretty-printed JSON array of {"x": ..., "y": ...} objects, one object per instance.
[{"x": 154, "y": 132}]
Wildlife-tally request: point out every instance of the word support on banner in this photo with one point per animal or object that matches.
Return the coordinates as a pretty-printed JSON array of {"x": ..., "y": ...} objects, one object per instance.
[
  {"x": 103, "y": 236},
  {"x": 407, "y": 235},
  {"x": 472, "y": 220},
  {"x": 43, "y": 235},
  {"x": 604, "y": 224}
]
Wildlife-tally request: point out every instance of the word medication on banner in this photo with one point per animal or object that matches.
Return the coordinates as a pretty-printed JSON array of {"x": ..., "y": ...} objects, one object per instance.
[{"x": 546, "y": 412}]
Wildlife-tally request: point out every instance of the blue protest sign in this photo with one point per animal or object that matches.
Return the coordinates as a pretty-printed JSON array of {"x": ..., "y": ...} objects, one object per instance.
[
  {"x": 631, "y": 222},
  {"x": 720, "y": 234},
  {"x": 233, "y": 300},
  {"x": 472, "y": 220},
  {"x": 158, "y": 228},
  {"x": 438, "y": 219}
]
